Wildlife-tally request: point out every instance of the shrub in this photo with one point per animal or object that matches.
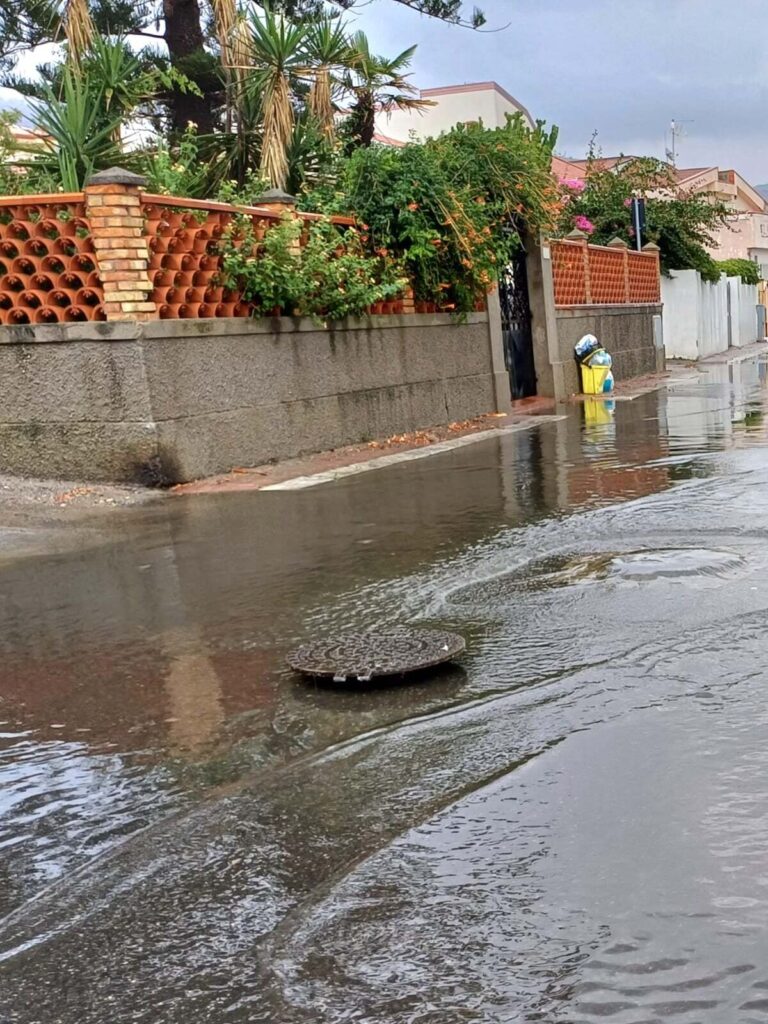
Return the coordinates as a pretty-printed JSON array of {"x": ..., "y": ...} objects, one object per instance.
[
  {"x": 450, "y": 210},
  {"x": 748, "y": 271},
  {"x": 680, "y": 223},
  {"x": 329, "y": 277}
]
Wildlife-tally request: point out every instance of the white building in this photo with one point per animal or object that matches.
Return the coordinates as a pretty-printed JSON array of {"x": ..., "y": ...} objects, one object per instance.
[{"x": 451, "y": 105}]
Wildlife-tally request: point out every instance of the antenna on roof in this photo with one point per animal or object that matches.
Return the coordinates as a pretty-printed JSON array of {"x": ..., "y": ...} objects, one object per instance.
[{"x": 676, "y": 131}]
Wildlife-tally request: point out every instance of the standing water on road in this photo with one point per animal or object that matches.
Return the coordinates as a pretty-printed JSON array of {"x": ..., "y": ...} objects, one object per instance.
[{"x": 571, "y": 825}]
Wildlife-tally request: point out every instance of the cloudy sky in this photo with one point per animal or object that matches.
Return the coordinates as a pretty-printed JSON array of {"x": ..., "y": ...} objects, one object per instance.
[{"x": 623, "y": 70}]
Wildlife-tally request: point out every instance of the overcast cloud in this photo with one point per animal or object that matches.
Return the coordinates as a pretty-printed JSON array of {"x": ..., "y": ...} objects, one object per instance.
[{"x": 622, "y": 69}]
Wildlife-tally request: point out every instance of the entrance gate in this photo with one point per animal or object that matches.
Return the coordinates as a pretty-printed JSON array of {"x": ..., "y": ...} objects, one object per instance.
[{"x": 516, "y": 327}]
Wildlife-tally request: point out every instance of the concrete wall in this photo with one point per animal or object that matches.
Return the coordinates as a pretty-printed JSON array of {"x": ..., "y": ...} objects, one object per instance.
[
  {"x": 702, "y": 318},
  {"x": 743, "y": 312},
  {"x": 176, "y": 400},
  {"x": 624, "y": 331}
]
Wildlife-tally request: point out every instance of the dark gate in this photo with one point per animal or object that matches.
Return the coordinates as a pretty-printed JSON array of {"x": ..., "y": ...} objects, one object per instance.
[{"x": 516, "y": 327}]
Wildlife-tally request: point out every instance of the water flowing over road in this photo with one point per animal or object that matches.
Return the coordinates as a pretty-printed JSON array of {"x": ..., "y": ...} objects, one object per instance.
[{"x": 571, "y": 825}]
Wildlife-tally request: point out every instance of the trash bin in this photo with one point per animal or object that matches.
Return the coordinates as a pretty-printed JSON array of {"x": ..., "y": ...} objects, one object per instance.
[
  {"x": 594, "y": 366},
  {"x": 594, "y": 379}
]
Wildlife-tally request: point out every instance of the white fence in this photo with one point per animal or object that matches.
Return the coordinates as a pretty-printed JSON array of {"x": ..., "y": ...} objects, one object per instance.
[{"x": 701, "y": 318}]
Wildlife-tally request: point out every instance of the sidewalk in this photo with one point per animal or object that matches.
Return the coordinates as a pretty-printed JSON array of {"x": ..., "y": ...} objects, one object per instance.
[
  {"x": 737, "y": 354},
  {"x": 256, "y": 477}
]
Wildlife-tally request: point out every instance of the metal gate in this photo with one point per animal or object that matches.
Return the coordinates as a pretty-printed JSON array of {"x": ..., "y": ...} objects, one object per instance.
[{"x": 516, "y": 327}]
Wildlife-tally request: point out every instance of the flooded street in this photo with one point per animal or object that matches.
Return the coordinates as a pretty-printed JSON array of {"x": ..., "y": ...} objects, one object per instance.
[{"x": 570, "y": 825}]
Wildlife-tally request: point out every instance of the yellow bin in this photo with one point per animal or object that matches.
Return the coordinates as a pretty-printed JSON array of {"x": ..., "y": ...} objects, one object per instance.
[{"x": 593, "y": 378}]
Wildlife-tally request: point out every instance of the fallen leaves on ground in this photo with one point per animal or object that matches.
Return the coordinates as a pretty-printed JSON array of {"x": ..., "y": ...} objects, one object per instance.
[
  {"x": 77, "y": 492},
  {"x": 418, "y": 438}
]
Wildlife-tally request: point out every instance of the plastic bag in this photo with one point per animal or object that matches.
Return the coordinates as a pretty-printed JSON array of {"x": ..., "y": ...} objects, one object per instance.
[{"x": 585, "y": 346}]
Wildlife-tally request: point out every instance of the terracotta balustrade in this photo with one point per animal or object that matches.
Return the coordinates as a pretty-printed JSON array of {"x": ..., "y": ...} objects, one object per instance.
[
  {"x": 48, "y": 267},
  {"x": 117, "y": 252},
  {"x": 587, "y": 274}
]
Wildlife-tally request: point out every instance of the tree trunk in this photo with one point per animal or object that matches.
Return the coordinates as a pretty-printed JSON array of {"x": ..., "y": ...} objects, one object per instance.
[
  {"x": 184, "y": 38},
  {"x": 367, "y": 114}
]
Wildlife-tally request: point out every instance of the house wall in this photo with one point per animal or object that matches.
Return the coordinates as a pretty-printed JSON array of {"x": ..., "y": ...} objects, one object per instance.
[
  {"x": 175, "y": 400},
  {"x": 702, "y": 318},
  {"x": 744, "y": 237},
  {"x": 472, "y": 103}
]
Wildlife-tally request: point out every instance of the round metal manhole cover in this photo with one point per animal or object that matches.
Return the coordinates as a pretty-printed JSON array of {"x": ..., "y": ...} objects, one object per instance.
[{"x": 375, "y": 654}]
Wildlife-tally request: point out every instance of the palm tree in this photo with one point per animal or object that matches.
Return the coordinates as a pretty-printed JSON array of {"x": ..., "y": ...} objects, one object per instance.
[
  {"x": 277, "y": 53},
  {"x": 377, "y": 84},
  {"x": 328, "y": 50}
]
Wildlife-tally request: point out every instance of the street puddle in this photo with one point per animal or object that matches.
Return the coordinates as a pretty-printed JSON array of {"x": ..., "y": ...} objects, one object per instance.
[
  {"x": 571, "y": 569},
  {"x": 675, "y": 564}
]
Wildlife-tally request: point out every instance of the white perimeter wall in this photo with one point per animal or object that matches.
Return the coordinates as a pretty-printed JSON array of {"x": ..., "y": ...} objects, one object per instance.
[{"x": 701, "y": 318}]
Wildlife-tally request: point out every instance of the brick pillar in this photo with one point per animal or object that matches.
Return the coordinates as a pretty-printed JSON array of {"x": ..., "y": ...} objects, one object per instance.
[
  {"x": 279, "y": 202},
  {"x": 653, "y": 250},
  {"x": 582, "y": 239},
  {"x": 113, "y": 209},
  {"x": 619, "y": 243}
]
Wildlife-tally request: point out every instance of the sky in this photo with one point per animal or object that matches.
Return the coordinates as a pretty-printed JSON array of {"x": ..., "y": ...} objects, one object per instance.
[{"x": 623, "y": 70}]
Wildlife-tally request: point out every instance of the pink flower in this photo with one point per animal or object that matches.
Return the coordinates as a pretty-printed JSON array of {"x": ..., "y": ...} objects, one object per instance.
[
  {"x": 574, "y": 184},
  {"x": 583, "y": 224},
  {"x": 627, "y": 202}
]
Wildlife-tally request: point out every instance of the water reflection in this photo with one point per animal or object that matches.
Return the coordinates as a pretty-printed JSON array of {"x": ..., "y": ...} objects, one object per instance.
[{"x": 141, "y": 675}]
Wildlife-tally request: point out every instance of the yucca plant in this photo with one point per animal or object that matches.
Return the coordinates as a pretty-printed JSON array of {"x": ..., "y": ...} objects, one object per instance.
[
  {"x": 328, "y": 52},
  {"x": 84, "y": 109},
  {"x": 225, "y": 18},
  {"x": 81, "y": 137},
  {"x": 277, "y": 52},
  {"x": 78, "y": 28}
]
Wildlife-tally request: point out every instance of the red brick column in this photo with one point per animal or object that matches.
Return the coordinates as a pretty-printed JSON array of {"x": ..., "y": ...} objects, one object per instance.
[
  {"x": 582, "y": 239},
  {"x": 621, "y": 246},
  {"x": 113, "y": 209}
]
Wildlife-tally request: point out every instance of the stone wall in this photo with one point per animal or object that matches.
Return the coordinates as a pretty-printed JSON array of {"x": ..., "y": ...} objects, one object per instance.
[
  {"x": 174, "y": 400},
  {"x": 627, "y": 332}
]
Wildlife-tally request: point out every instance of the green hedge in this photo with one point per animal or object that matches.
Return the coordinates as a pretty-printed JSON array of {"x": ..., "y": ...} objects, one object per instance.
[{"x": 748, "y": 271}]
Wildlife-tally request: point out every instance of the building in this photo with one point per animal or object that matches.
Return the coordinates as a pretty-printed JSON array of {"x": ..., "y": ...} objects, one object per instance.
[
  {"x": 567, "y": 170},
  {"x": 24, "y": 137},
  {"x": 745, "y": 236},
  {"x": 450, "y": 105}
]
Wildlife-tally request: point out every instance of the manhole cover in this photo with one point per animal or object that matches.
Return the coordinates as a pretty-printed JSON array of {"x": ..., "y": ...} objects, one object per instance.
[{"x": 365, "y": 656}]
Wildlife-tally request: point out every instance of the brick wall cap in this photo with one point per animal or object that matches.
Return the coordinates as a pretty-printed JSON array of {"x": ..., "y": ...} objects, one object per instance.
[
  {"x": 617, "y": 243},
  {"x": 276, "y": 195},
  {"x": 651, "y": 247},
  {"x": 116, "y": 176}
]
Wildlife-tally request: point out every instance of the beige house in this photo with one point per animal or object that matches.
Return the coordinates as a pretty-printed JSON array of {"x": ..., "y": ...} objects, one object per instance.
[
  {"x": 745, "y": 236},
  {"x": 450, "y": 105}
]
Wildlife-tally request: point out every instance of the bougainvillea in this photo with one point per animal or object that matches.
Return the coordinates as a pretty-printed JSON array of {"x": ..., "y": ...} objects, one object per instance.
[{"x": 679, "y": 222}]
